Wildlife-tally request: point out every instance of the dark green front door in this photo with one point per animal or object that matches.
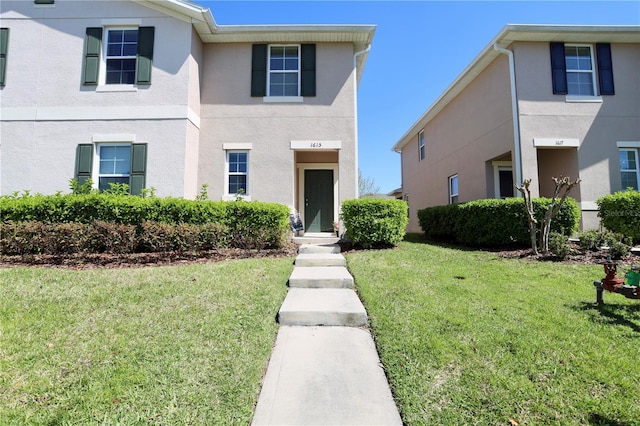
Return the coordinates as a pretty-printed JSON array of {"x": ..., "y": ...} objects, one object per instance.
[{"x": 318, "y": 199}]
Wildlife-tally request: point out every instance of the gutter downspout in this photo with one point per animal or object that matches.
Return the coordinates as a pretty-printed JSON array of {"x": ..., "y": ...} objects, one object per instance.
[
  {"x": 355, "y": 108},
  {"x": 514, "y": 111}
]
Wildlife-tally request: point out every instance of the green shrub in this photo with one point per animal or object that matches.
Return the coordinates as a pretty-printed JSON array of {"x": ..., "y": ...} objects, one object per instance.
[
  {"x": 559, "y": 245},
  {"x": 493, "y": 222},
  {"x": 620, "y": 212},
  {"x": 594, "y": 239},
  {"x": 374, "y": 223}
]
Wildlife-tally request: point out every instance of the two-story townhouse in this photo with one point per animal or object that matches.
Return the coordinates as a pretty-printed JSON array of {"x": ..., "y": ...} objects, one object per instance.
[
  {"x": 538, "y": 102},
  {"x": 157, "y": 95}
]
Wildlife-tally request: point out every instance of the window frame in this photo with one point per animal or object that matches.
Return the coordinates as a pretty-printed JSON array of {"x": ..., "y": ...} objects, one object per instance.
[
  {"x": 97, "y": 160},
  {"x": 454, "y": 197},
  {"x": 421, "y": 146},
  {"x": 636, "y": 153},
  {"x": 105, "y": 58},
  {"x": 298, "y": 72},
  {"x": 228, "y": 173},
  {"x": 592, "y": 71}
]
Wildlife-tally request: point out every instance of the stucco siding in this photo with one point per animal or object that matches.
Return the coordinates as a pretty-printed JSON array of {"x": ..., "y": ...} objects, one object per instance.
[
  {"x": 475, "y": 125},
  {"x": 229, "y": 115}
]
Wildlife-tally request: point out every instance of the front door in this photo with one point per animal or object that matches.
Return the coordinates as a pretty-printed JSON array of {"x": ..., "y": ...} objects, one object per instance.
[{"x": 318, "y": 200}]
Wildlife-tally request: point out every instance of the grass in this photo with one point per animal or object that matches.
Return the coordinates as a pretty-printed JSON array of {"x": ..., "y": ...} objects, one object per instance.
[
  {"x": 163, "y": 345},
  {"x": 469, "y": 338}
]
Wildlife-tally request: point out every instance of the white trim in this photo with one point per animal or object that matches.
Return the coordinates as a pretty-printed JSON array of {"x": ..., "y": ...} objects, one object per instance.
[
  {"x": 237, "y": 146},
  {"x": 194, "y": 117},
  {"x": 588, "y": 206},
  {"x": 318, "y": 166},
  {"x": 114, "y": 137},
  {"x": 450, "y": 190},
  {"x": 628, "y": 144},
  {"x": 116, "y": 88},
  {"x": 497, "y": 167},
  {"x": 316, "y": 145},
  {"x": 102, "y": 75},
  {"x": 422, "y": 143},
  {"x": 583, "y": 99},
  {"x": 282, "y": 99},
  {"x": 592, "y": 72},
  {"x": 93, "y": 113},
  {"x": 556, "y": 142},
  {"x": 226, "y": 195},
  {"x": 95, "y": 173},
  {"x": 284, "y": 71}
]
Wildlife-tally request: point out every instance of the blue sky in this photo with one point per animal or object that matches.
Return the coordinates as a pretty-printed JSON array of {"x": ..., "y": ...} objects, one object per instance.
[{"x": 419, "y": 48}]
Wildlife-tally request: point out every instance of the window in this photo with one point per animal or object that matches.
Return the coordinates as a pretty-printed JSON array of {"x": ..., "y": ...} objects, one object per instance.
[
  {"x": 284, "y": 71},
  {"x": 421, "y": 146},
  {"x": 119, "y": 163},
  {"x": 573, "y": 69},
  {"x": 126, "y": 57},
  {"x": 114, "y": 165},
  {"x": 629, "y": 168},
  {"x": 580, "y": 74},
  {"x": 237, "y": 172},
  {"x": 120, "y": 56},
  {"x": 453, "y": 189}
]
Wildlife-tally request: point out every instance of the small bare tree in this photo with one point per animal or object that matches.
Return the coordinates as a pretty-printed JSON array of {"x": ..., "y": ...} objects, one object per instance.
[
  {"x": 366, "y": 186},
  {"x": 563, "y": 187}
]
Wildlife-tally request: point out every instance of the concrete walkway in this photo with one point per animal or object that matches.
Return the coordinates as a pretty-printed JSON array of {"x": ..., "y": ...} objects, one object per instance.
[{"x": 324, "y": 368}]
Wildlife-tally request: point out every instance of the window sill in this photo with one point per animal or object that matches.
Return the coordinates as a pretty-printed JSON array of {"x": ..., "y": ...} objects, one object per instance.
[
  {"x": 282, "y": 99},
  {"x": 583, "y": 99},
  {"x": 116, "y": 88},
  {"x": 233, "y": 197}
]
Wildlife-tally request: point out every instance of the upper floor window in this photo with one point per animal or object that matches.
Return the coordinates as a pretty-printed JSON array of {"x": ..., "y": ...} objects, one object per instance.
[
  {"x": 120, "y": 56},
  {"x": 283, "y": 71},
  {"x": 453, "y": 189},
  {"x": 580, "y": 73},
  {"x": 629, "y": 168},
  {"x": 126, "y": 57},
  {"x": 421, "y": 145},
  {"x": 574, "y": 66}
]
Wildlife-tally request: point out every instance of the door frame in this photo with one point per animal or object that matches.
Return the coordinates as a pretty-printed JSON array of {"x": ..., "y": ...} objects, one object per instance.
[{"x": 317, "y": 166}]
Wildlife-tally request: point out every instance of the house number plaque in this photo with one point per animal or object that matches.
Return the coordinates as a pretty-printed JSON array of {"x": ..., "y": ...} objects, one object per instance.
[{"x": 316, "y": 145}]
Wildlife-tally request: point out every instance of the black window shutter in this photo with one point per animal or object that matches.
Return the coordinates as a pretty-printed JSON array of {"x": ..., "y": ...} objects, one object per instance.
[
  {"x": 558, "y": 69},
  {"x": 308, "y": 68},
  {"x": 91, "y": 66},
  {"x": 259, "y": 70},
  {"x": 84, "y": 162},
  {"x": 144, "y": 61},
  {"x": 4, "y": 48},
  {"x": 138, "y": 168},
  {"x": 605, "y": 69}
]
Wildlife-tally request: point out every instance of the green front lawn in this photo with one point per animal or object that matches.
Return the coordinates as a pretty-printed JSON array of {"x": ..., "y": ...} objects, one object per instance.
[
  {"x": 164, "y": 345},
  {"x": 467, "y": 337}
]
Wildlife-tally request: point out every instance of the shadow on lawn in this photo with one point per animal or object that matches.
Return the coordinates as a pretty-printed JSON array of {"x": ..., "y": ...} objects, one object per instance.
[
  {"x": 598, "y": 420},
  {"x": 614, "y": 314}
]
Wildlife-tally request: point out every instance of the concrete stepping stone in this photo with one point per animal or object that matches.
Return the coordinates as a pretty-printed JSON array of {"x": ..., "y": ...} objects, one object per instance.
[
  {"x": 326, "y": 306},
  {"x": 320, "y": 277},
  {"x": 319, "y": 248},
  {"x": 325, "y": 375},
  {"x": 320, "y": 259}
]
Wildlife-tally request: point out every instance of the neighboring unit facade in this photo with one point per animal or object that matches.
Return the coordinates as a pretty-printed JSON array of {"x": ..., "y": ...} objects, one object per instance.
[
  {"x": 538, "y": 102},
  {"x": 156, "y": 95}
]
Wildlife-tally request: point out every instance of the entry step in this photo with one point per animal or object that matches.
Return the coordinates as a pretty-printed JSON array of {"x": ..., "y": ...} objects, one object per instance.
[
  {"x": 321, "y": 277},
  {"x": 319, "y": 248},
  {"x": 326, "y": 306},
  {"x": 320, "y": 259}
]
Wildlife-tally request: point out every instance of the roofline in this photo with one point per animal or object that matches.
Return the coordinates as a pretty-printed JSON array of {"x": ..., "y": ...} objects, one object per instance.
[{"x": 512, "y": 33}]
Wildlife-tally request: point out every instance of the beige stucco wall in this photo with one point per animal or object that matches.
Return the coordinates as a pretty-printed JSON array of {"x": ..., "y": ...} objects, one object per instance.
[
  {"x": 229, "y": 115},
  {"x": 47, "y": 112},
  {"x": 598, "y": 126},
  {"x": 474, "y": 128}
]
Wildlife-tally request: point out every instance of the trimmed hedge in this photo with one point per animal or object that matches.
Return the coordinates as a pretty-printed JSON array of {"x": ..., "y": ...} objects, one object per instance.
[
  {"x": 620, "y": 212},
  {"x": 493, "y": 222},
  {"x": 240, "y": 224},
  {"x": 373, "y": 222}
]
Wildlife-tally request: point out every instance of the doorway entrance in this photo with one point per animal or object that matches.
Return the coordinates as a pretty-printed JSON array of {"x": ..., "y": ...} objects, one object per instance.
[{"x": 318, "y": 200}]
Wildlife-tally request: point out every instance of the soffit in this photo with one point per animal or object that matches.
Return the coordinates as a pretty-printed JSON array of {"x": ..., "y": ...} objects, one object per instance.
[{"x": 520, "y": 33}]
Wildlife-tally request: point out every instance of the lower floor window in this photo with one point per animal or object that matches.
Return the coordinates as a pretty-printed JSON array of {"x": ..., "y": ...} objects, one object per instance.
[
  {"x": 115, "y": 165},
  {"x": 237, "y": 172},
  {"x": 453, "y": 189},
  {"x": 629, "y": 168}
]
